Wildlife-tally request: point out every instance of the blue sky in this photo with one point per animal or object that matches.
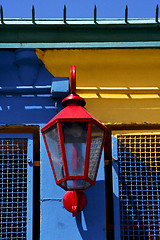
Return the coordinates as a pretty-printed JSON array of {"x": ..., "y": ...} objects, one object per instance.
[{"x": 79, "y": 8}]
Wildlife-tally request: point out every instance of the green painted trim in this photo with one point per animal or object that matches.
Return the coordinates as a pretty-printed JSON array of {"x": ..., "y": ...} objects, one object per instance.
[
  {"x": 83, "y": 45},
  {"x": 80, "y": 34}
]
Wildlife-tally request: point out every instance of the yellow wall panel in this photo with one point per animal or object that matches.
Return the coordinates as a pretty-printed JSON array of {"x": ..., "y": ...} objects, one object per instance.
[{"x": 106, "y": 69}]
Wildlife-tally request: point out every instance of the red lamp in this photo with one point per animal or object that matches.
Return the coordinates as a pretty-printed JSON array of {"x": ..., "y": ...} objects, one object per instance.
[{"x": 74, "y": 141}]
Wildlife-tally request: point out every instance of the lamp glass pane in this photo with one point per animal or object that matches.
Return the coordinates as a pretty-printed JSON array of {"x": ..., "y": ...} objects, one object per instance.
[
  {"x": 70, "y": 185},
  {"x": 75, "y": 139},
  {"x": 95, "y": 150},
  {"x": 53, "y": 144}
]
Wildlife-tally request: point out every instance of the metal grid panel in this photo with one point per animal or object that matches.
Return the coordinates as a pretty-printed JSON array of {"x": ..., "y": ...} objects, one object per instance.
[
  {"x": 13, "y": 188},
  {"x": 139, "y": 186}
]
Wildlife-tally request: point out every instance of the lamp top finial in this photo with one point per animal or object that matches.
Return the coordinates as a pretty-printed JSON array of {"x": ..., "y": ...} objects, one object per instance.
[{"x": 73, "y": 99}]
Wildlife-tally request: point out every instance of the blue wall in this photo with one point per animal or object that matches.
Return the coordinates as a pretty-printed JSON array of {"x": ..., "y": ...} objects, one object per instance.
[
  {"x": 19, "y": 68},
  {"x": 56, "y": 222}
]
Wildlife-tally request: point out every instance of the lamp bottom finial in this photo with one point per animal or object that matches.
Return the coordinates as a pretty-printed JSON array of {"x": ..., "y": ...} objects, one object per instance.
[{"x": 74, "y": 201}]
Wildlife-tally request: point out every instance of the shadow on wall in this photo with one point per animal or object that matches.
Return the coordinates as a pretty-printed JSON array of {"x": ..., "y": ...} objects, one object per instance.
[
  {"x": 22, "y": 67},
  {"x": 91, "y": 221}
]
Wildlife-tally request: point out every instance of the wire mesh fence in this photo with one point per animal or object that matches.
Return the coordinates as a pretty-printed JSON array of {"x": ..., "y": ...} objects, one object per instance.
[
  {"x": 139, "y": 186},
  {"x": 13, "y": 189}
]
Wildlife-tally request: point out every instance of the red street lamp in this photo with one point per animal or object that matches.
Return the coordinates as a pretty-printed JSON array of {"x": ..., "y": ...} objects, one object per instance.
[{"x": 74, "y": 141}]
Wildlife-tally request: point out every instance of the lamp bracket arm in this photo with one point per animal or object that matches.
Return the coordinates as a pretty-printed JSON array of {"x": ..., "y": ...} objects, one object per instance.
[{"x": 73, "y": 79}]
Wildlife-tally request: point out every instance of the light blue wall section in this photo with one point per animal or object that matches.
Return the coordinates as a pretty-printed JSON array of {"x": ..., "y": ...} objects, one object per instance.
[
  {"x": 58, "y": 223},
  {"x": 94, "y": 215}
]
